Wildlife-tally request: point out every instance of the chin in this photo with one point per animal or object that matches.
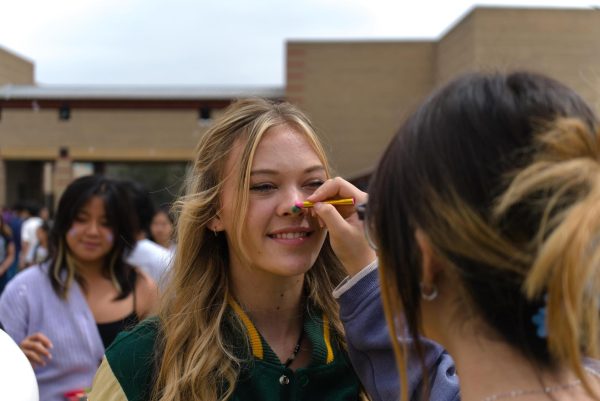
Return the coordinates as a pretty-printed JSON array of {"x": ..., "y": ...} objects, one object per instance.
[
  {"x": 286, "y": 269},
  {"x": 295, "y": 269}
]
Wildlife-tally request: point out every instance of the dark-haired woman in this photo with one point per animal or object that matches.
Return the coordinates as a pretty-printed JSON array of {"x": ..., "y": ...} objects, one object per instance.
[
  {"x": 485, "y": 213},
  {"x": 65, "y": 312}
]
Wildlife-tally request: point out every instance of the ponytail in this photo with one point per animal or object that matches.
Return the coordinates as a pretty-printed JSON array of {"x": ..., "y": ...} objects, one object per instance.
[{"x": 564, "y": 180}]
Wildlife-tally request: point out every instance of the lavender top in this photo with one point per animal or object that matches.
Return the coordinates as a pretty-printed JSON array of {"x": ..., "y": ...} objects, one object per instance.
[
  {"x": 370, "y": 347},
  {"x": 29, "y": 305}
]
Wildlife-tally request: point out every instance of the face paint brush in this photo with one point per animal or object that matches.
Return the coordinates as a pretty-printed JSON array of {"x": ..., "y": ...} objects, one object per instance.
[{"x": 336, "y": 202}]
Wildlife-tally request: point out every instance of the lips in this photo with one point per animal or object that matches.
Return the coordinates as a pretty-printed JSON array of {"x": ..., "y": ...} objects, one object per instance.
[
  {"x": 291, "y": 233},
  {"x": 90, "y": 244}
]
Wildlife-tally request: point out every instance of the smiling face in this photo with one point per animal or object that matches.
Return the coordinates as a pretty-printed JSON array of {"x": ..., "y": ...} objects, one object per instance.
[
  {"x": 90, "y": 238},
  {"x": 276, "y": 241}
]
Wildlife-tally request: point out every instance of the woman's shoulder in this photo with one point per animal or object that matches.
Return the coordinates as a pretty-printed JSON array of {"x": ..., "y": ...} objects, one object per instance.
[
  {"x": 28, "y": 292},
  {"x": 35, "y": 277},
  {"x": 127, "y": 371},
  {"x": 147, "y": 292},
  {"x": 131, "y": 355},
  {"x": 139, "y": 341},
  {"x": 143, "y": 279}
]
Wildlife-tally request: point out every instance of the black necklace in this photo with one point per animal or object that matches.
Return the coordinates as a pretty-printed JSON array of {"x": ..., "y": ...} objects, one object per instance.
[{"x": 289, "y": 361}]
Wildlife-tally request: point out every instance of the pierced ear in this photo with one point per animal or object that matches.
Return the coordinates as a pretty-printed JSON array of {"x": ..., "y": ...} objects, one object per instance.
[
  {"x": 429, "y": 264},
  {"x": 215, "y": 225}
]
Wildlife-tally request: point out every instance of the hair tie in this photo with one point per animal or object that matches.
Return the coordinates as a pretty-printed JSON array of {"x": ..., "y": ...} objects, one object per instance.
[{"x": 539, "y": 320}]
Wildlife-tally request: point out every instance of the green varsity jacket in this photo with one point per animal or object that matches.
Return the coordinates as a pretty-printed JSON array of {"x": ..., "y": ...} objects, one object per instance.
[{"x": 127, "y": 370}]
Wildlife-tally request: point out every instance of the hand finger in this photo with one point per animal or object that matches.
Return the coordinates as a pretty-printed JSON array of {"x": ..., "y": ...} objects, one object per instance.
[
  {"x": 333, "y": 220},
  {"x": 38, "y": 343},
  {"x": 40, "y": 337},
  {"x": 329, "y": 189},
  {"x": 347, "y": 238},
  {"x": 37, "y": 347},
  {"x": 34, "y": 358},
  {"x": 335, "y": 188}
]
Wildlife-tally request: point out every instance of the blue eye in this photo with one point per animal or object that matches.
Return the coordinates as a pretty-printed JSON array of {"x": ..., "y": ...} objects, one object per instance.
[{"x": 262, "y": 187}]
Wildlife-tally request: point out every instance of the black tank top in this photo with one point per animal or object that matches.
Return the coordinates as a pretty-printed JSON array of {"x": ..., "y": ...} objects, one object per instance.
[{"x": 108, "y": 331}]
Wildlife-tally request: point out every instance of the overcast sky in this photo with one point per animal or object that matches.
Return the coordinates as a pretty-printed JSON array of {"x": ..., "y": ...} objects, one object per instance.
[{"x": 202, "y": 42}]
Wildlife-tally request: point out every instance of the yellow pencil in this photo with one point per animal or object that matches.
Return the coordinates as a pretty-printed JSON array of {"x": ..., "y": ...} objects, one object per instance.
[{"x": 338, "y": 202}]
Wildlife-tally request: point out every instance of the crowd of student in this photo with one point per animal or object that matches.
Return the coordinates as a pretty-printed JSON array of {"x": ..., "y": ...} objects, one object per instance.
[
  {"x": 474, "y": 255},
  {"x": 23, "y": 238},
  {"x": 25, "y": 229}
]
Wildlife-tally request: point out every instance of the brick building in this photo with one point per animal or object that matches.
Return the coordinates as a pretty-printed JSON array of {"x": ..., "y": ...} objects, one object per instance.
[
  {"x": 356, "y": 92},
  {"x": 48, "y": 134}
]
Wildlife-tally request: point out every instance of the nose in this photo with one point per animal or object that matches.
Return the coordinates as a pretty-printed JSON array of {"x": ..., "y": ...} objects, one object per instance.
[
  {"x": 93, "y": 228},
  {"x": 289, "y": 197}
]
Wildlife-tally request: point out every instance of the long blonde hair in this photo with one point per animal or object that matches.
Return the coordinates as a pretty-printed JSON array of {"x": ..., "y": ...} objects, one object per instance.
[
  {"x": 502, "y": 173},
  {"x": 194, "y": 361}
]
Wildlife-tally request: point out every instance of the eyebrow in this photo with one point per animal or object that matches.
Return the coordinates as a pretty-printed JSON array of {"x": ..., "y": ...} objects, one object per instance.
[
  {"x": 83, "y": 212},
  {"x": 267, "y": 171}
]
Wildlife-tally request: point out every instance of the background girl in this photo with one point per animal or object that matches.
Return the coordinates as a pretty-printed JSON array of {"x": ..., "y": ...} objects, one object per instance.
[
  {"x": 161, "y": 228},
  {"x": 65, "y": 312}
]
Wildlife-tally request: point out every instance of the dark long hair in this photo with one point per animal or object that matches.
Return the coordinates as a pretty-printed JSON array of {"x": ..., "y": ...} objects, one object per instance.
[
  {"x": 452, "y": 170},
  {"x": 118, "y": 211}
]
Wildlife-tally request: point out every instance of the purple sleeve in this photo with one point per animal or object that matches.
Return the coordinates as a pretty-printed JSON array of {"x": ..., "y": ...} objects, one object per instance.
[
  {"x": 14, "y": 310},
  {"x": 372, "y": 355}
]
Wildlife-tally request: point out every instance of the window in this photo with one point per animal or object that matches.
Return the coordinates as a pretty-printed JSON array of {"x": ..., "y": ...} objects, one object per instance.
[
  {"x": 64, "y": 113},
  {"x": 205, "y": 115}
]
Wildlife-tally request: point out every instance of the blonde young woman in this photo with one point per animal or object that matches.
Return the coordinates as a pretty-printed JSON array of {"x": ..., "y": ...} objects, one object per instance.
[
  {"x": 485, "y": 213},
  {"x": 249, "y": 314}
]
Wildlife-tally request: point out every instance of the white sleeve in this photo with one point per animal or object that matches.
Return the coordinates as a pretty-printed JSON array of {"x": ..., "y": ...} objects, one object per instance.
[{"x": 349, "y": 282}]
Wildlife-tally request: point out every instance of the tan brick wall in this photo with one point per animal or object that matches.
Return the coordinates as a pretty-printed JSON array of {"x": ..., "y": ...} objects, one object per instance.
[
  {"x": 564, "y": 44},
  {"x": 14, "y": 69},
  {"x": 455, "y": 51},
  {"x": 357, "y": 93},
  {"x": 100, "y": 134}
]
